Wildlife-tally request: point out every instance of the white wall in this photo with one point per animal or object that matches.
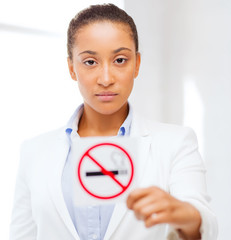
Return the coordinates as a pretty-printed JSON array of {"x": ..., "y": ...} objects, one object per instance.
[
  {"x": 148, "y": 85},
  {"x": 186, "y": 71}
]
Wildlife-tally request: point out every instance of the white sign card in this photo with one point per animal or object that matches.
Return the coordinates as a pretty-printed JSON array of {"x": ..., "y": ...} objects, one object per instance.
[{"x": 104, "y": 169}]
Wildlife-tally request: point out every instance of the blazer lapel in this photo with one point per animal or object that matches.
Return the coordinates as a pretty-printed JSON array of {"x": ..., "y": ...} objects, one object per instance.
[
  {"x": 55, "y": 186},
  {"x": 117, "y": 215},
  {"x": 140, "y": 131}
]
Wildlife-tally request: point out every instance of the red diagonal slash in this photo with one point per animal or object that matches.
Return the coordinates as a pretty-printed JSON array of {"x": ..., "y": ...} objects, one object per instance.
[{"x": 105, "y": 172}]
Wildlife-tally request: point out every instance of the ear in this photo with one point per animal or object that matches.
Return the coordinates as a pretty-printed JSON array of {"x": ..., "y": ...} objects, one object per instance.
[
  {"x": 137, "y": 67},
  {"x": 71, "y": 69}
]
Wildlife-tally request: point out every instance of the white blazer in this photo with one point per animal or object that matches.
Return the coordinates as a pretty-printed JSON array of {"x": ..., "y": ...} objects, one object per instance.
[{"x": 170, "y": 161}]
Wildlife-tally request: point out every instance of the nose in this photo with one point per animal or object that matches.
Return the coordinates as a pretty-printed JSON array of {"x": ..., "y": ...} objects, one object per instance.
[{"x": 105, "y": 77}]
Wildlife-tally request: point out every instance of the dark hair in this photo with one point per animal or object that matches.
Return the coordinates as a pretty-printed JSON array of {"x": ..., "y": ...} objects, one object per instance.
[{"x": 104, "y": 12}]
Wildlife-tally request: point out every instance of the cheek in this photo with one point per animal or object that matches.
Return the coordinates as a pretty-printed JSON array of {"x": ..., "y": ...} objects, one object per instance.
[
  {"x": 127, "y": 77},
  {"x": 84, "y": 88},
  {"x": 83, "y": 79}
]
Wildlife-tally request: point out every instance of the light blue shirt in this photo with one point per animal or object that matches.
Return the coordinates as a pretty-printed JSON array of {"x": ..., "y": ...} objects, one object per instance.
[{"x": 91, "y": 222}]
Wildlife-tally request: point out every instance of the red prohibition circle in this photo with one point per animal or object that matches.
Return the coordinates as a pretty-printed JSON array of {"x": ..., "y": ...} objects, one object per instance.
[{"x": 87, "y": 154}]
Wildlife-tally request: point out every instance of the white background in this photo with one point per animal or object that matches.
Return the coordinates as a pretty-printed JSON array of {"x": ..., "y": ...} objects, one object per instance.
[{"x": 185, "y": 78}]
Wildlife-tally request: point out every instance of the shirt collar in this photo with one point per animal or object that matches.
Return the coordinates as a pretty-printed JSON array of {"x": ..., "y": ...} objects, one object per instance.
[{"x": 72, "y": 124}]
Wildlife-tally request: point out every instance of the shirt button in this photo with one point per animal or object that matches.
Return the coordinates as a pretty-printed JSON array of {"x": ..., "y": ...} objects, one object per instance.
[{"x": 94, "y": 236}]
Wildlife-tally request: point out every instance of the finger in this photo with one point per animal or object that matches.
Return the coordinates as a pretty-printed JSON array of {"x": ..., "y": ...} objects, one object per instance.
[
  {"x": 144, "y": 207},
  {"x": 143, "y": 202},
  {"x": 155, "y": 218},
  {"x": 146, "y": 211},
  {"x": 150, "y": 207},
  {"x": 151, "y": 202},
  {"x": 136, "y": 195},
  {"x": 139, "y": 193},
  {"x": 164, "y": 212}
]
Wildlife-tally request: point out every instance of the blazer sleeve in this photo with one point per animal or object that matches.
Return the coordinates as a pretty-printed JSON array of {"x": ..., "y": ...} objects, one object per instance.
[
  {"x": 187, "y": 181},
  {"x": 22, "y": 226}
]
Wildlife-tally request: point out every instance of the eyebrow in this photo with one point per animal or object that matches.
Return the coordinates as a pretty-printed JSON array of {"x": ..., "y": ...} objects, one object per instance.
[
  {"x": 115, "y": 51},
  {"x": 121, "y": 49},
  {"x": 89, "y": 52}
]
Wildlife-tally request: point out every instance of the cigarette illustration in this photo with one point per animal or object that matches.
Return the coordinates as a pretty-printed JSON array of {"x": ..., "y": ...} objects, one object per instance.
[{"x": 99, "y": 173}]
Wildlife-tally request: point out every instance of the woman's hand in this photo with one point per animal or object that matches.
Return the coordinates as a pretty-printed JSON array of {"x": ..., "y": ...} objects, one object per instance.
[{"x": 155, "y": 206}]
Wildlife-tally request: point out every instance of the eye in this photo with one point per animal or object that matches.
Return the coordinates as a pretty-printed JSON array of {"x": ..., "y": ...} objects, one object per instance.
[
  {"x": 90, "y": 62},
  {"x": 120, "y": 60}
]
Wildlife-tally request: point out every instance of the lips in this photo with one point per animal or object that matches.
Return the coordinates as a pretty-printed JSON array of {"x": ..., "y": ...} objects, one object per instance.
[{"x": 106, "y": 96}]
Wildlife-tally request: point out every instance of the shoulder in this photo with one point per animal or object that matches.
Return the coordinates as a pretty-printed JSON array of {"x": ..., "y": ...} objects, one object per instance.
[
  {"x": 44, "y": 138},
  {"x": 39, "y": 152},
  {"x": 161, "y": 130},
  {"x": 41, "y": 146},
  {"x": 168, "y": 138}
]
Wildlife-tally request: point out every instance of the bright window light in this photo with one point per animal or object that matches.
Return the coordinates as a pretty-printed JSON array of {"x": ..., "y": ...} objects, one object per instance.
[{"x": 193, "y": 109}]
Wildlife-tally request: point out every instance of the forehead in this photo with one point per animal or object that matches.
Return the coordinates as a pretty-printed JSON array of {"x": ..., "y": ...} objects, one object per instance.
[{"x": 104, "y": 33}]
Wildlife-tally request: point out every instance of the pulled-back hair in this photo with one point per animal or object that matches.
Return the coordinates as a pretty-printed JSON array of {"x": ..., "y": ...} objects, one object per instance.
[{"x": 96, "y": 13}]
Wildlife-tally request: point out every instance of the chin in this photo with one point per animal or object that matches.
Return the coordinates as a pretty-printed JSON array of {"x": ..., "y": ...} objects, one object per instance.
[{"x": 108, "y": 109}]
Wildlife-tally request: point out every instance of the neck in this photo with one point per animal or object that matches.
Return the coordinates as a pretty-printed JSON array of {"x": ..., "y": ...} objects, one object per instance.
[{"x": 93, "y": 123}]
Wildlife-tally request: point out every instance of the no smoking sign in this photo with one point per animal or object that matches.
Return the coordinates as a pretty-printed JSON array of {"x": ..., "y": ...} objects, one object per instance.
[{"x": 104, "y": 170}]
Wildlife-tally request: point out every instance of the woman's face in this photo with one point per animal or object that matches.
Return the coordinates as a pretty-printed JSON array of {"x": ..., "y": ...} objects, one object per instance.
[{"x": 104, "y": 64}]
